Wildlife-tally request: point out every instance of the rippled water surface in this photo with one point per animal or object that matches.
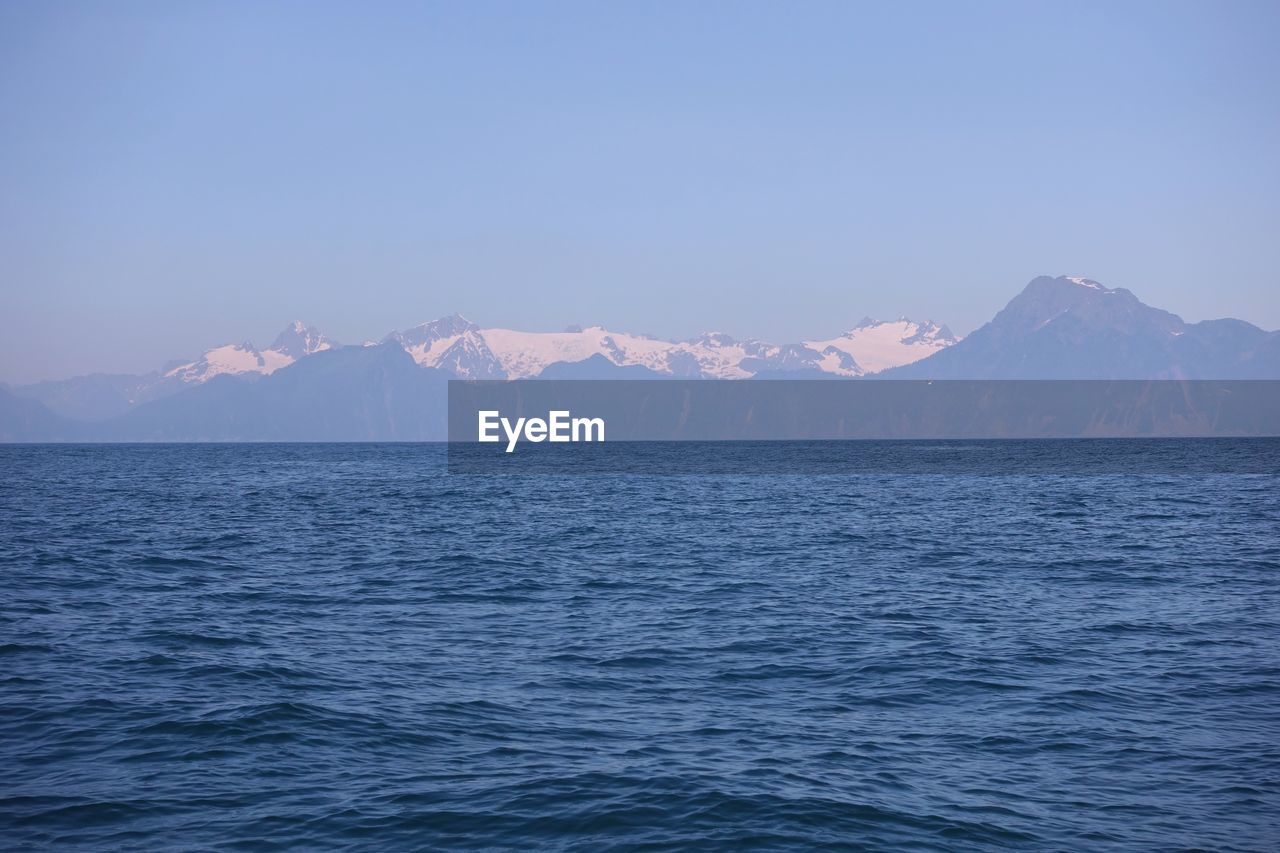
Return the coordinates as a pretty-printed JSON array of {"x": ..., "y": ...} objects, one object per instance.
[{"x": 342, "y": 646}]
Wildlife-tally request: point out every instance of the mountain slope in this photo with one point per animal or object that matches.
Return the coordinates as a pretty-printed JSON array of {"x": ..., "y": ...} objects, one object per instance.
[
  {"x": 372, "y": 393},
  {"x": 99, "y": 396},
  {"x": 879, "y": 345},
  {"x": 295, "y": 342},
  {"x": 1075, "y": 328},
  {"x": 23, "y": 419},
  {"x": 596, "y": 367}
]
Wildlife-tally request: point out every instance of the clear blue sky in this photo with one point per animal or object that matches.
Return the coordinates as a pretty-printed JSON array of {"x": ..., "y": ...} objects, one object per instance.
[{"x": 178, "y": 175}]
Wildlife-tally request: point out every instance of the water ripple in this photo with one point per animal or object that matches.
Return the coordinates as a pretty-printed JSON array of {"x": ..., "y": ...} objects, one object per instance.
[{"x": 341, "y": 647}]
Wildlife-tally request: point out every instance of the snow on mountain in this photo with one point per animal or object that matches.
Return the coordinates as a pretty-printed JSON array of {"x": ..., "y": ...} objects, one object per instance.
[
  {"x": 463, "y": 348},
  {"x": 296, "y": 341},
  {"x": 458, "y": 345},
  {"x": 1070, "y": 326},
  {"x": 527, "y": 354},
  {"x": 879, "y": 345},
  {"x": 299, "y": 339},
  {"x": 451, "y": 343}
]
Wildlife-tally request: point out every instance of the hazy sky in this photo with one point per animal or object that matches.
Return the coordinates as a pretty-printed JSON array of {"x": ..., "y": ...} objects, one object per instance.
[{"x": 179, "y": 175}]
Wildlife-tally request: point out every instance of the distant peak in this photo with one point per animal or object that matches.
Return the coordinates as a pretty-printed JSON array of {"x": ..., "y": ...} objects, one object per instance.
[
  {"x": 1081, "y": 281},
  {"x": 454, "y": 320},
  {"x": 298, "y": 339},
  {"x": 1073, "y": 287},
  {"x": 452, "y": 324},
  {"x": 714, "y": 339},
  {"x": 871, "y": 323}
]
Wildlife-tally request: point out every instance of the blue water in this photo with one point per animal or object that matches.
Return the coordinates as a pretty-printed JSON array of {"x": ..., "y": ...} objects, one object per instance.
[{"x": 331, "y": 647}]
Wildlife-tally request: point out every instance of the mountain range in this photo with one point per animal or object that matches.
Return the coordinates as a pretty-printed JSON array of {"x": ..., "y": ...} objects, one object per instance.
[{"x": 306, "y": 386}]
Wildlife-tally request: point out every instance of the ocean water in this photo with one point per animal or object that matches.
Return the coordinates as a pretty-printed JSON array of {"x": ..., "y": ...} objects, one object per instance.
[{"x": 344, "y": 647}]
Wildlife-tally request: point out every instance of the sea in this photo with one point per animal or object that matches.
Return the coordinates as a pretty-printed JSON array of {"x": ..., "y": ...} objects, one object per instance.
[{"x": 348, "y": 647}]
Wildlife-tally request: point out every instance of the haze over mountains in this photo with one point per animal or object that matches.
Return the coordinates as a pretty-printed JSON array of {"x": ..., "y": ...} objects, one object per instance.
[{"x": 308, "y": 387}]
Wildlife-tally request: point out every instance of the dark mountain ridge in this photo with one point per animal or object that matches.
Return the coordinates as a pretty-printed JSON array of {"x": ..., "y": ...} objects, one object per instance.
[{"x": 1074, "y": 328}]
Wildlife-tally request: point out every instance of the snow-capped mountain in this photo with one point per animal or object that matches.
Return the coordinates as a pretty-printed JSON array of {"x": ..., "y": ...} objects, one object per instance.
[
  {"x": 296, "y": 341},
  {"x": 451, "y": 343},
  {"x": 876, "y": 345},
  {"x": 460, "y": 346},
  {"x": 464, "y": 349},
  {"x": 299, "y": 339},
  {"x": 1071, "y": 327}
]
